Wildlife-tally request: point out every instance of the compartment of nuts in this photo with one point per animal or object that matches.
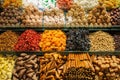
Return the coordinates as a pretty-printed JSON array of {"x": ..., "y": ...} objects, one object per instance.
[
  {"x": 32, "y": 17},
  {"x": 54, "y": 18},
  {"x": 98, "y": 17},
  {"x": 75, "y": 17},
  {"x": 115, "y": 16},
  {"x": 7, "y": 40},
  {"x": 107, "y": 67},
  {"x": 26, "y": 67},
  {"x": 101, "y": 41},
  {"x": 11, "y": 16},
  {"x": 51, "y": 66}
]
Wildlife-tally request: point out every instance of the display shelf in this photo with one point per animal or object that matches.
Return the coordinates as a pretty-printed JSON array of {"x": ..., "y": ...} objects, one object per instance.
[
  {"x": 114, "y": 28},
  {"x": 40, "y": 53}
]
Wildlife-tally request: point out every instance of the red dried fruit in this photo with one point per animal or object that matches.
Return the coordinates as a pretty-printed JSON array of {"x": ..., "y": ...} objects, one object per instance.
[{"x": 28, "y": 41}]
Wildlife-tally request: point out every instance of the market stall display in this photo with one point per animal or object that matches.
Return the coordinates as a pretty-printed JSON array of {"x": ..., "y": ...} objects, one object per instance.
[{"x": 60, "y": 40}]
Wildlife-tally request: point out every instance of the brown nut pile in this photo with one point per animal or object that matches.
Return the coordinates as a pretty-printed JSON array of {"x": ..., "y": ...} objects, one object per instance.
[
  {"x": 107, "y": 67},
  {"x": 76, "y": 17},
  {"x": 11, "y": 16},
  {"x": 98, "y": 17},
  {"x": 26, "y": 67},
  {"x": 51, "y": 66},
  {"x": 117, "y": 41},
  {"x": 101, "y": 41},
  {"x": 115, "y": 16},
  {"x": 54, "y": 18},
  {"x": 53, "y": 40},
  {"x": 7, "y": 40},
  {"x": 32, "y": 16},
  {"x": 78, "y": 67}
]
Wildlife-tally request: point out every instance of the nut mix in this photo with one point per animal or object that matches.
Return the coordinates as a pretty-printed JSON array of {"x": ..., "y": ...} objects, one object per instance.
[
  {"x": 99, "y": 17},
  {"x": 28, "y": 41},
  {"x": 54, "y": 18},
  {"x": 32, "y": 16},
  {"x": 101, "y": 41},
  {"x": 51, "y": 66},
  {"x": 75, "y": 17},
  {"x": 117, "y": 41},
  {"x": 115, "y": 16},
  {"x": 53, "y": 40},
  {"x": 78, "y": 40},
  {"x": 107, "y": 67},
  {"x": 7, "y": 40},
  {"x": 6, "y": 67},
  {"x": 26, "y": 67},
  {"x": 11, "y": 16}
]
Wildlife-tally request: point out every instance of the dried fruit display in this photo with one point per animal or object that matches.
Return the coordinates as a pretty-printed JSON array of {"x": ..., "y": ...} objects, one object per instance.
[
  {"x": 32, "y": 16},
  {"x": 28, "y": 41},
  {"x": 107, "y": 67},
  {"x": 26, "y": 67},
  {"x": 54, "y": 18},
  {"x": 75, "y": 17},
  {"x": 53, "y": 40},
  {"x": 11, "y": 16},
  {"x": 64, "y": 4},
  {"x": 110, "y": 4},
  {"x": 16, "y": 3},
  {"x": 6, "y": 66},
  {"x": 78, "y": 67},
  {"x": 51, "y": 66},
  {"x": 117, "y": 41},
  {"x": 98, "y": 17},
  {"x": 87, "y": 4},
  {"x": 115, "y": 16},
  {"x": 7, "y": 40},
  {"x": 101, "y": 41},
  {"x": 77, "y": 39}
]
